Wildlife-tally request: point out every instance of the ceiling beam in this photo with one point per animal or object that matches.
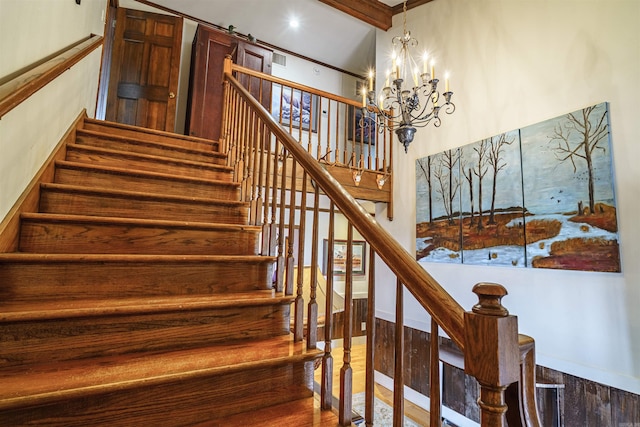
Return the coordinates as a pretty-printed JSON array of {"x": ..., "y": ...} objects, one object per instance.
[{"x": 370, "y": 11}]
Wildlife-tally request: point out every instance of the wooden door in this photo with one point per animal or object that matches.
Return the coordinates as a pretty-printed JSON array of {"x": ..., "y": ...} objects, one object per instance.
[
  {"x": 144, "y": 70},
  {"x": 204, "y": 109}
]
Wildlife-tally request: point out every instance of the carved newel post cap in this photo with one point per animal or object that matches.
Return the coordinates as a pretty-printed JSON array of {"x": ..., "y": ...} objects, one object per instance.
[{"x": 490, "y": 299}]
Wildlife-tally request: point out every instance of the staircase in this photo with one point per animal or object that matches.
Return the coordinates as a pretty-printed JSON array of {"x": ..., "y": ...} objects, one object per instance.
[{"x": 138, "y": 296}]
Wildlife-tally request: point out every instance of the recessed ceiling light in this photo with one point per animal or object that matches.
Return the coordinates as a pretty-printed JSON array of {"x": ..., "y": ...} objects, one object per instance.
[{"x": 294, "y": 23}]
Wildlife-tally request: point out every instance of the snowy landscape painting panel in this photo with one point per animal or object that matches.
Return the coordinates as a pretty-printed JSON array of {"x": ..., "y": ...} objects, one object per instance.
[
  {"x": 569, "y": 194},
  {"x": 492, "y": 206},
  {"x": 438, "y": 235}
]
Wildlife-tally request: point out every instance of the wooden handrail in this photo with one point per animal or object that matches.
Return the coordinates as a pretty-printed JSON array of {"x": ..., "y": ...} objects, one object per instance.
[
  {"x": 15, "y": 91},
  {"x": 441, "y": 306}
]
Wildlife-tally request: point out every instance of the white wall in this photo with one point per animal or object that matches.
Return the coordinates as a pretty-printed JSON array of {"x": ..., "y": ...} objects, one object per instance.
[
  {"x": 512, "y": 64},
  {"x": 29, "y": 31}
]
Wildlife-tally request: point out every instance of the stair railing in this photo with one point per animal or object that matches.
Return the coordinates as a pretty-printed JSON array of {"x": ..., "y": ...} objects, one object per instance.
[{"x": 277, "y": 174}]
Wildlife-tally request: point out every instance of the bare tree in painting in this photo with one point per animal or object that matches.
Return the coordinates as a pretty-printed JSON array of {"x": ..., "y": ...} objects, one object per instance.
[
  {"x": 448, "y": 184},
  {"x": 590, "y": 134},
  {"x": 468, "y": 175},
  {"x": 425, "y": 166},
  {"x": 497, "y": 163},
  {"x": 480, "y": 170}
]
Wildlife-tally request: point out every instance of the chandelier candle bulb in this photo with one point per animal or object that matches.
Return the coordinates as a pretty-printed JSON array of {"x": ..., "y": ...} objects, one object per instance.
[
  {"x": 433, "y": 70},
  {"x": 446, "y": 82}
]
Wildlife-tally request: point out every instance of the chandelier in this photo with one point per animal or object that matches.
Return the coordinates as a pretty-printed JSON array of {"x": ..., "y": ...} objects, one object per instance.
[{"x": 410, "y": 96}]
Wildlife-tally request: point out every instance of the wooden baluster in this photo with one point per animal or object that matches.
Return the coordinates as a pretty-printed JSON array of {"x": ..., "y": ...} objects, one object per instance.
[
  {"x": 298, "y": 333},
  {"x": 328, "y": 151},
  {"x": 261, "y": 185},
  {"x": 346, "y": 373},
  {"x": 282, "y": 206},
  {"x": 311, "y": 118},
  {"x": 312, "y": 309},
  {"x": 251, "y": 154},
  {"x": 491, "y": 351},
  {"x": 246, "y": 155},
  {"x": 233, "y": 130},
  {"x": 369, "y": 408},
  {"x": 240, "y": 166},
  {"x": 255, "y": 177},
  {"x": 341, "y": 156},
  {"x": 273, "y": 225},
  {"x": 292, "y": 219},
  {"x": 223, "y": 140},
  {"x": 435, "y": 419},
  {"x": 266, "y": 227},
  {"x": 326, "y": 391},
  {"x": 319, "y": 145},
  {"x": 398, "y": 372}
]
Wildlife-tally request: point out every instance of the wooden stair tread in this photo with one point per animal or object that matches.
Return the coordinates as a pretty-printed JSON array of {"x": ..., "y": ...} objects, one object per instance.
[
  {"x": 17, "y": 257},
  {"x": 138, "y": 195},
  {"x": 44, "y": 383},
  {"x": 131, "y": 154},
  {"x": 143, "y": 173},
  {"x": 138, "y": 222},
  {"x": 30, "y": 311},
  {"x": 302, "y": 412},
  {"x": 144, "y": 146},
  {"x": 147, "y": 131},
  {"x": 110, "y": 136}
]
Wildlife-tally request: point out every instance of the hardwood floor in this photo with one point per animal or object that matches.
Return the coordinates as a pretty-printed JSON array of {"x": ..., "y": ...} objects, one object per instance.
[{"x": 358, "y": 354}]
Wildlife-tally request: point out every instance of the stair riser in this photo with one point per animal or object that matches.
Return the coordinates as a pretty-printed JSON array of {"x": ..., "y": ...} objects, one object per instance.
[
  {"x": 68, "y": 237},
  {"x": 180, "y": 140},
  {"x": 148, "y": 148},
  {"x": 59, "y": 201},
  {"x": 69, "y": 280},
  {"x": 79, "y": 338},
  {"x": 78, "y": 154},
  {"x": 102, "y": 179},
  {"x": 179, "y": 403}
]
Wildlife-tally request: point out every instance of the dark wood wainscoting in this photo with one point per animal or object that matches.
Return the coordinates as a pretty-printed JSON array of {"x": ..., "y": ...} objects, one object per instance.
[
  {"x": 358, "y": 328},
  {"x": 581, "y": 402}
]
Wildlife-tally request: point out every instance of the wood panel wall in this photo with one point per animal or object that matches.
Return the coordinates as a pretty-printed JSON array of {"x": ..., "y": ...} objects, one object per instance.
[
  {"x": 359, "y": 316},
  {"x": 582, "y": 402}
]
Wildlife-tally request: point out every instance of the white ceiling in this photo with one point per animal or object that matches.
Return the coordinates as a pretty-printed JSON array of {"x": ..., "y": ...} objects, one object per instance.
[{"x": 325, "y": 34}]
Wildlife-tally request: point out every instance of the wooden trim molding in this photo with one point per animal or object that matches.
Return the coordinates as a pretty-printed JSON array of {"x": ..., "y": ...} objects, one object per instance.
[
  {"x": 15, "y": 91},
  {"x": 370, "y": 11}
]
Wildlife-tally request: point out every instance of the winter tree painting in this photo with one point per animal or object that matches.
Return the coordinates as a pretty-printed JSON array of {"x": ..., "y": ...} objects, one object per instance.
[{"x": 541, "y": 196}]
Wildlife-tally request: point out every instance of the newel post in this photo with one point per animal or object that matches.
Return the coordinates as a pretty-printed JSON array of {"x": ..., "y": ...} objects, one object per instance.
[{"x": 491, "y": 351}]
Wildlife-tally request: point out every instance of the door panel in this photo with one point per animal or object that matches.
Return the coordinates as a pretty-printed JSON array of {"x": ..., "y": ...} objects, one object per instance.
[
  {"x": 259, "y": 59},
  {"x": 144, "y": 70}
]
